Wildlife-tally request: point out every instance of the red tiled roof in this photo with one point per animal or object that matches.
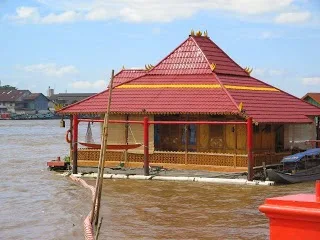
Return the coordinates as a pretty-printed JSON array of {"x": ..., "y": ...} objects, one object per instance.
[
  {"x": 224, "y": 64},
  {"x": 268, "y": 106},
  {"x": 166, "y": 95},
  {"x": 183, "y": 82},
  {"x": 127, "y": 74},
  {"x": 314, "y": 96}
]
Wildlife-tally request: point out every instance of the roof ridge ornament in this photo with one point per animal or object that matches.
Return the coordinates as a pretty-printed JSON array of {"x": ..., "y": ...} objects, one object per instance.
[
  {"x": 205, "y": 33},
  {"x": 248, "y": 70},
  {"x": 192, "y": 32},
  {"x": 199, "y": 33},
  {"x": 148, "y": 67},
  {"x": 213, "y": 66}
]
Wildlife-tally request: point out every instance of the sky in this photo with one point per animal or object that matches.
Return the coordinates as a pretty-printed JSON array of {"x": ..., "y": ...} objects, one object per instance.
[{"x": 72, "y": 45}]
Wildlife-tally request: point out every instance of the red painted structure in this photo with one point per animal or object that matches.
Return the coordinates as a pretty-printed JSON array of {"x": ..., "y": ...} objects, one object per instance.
[
  {"x": 294, "y": 217},
  {"x": 75, "y": 126}
]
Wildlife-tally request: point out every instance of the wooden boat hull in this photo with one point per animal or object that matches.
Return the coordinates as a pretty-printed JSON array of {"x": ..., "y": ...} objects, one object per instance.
[
  {"x": 112, "y": 146},
  {"x": 311, "y": 174}
]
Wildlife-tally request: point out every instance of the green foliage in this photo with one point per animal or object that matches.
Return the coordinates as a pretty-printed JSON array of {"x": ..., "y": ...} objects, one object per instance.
[
  {"x": 66, "y": 159},
  {"x": 8, "y": 87}
]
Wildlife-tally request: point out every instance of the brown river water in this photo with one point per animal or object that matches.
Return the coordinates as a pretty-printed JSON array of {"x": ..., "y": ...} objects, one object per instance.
[{"x": 39, "y": 204}]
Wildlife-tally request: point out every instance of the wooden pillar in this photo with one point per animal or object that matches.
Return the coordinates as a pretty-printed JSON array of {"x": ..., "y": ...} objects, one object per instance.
[
  {"x": 249, "y": 148},
  {"x": 186, "y": 144},
  {"x": 126, "y": 139},
  {"x": 71, "y": 137},
  {"x": 146, "y": 146},
  {"x": 318, "y": 131},
  {"x": 75, "y": 144}
]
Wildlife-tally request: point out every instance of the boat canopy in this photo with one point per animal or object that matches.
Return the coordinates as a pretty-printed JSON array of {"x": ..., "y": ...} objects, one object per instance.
[{"x": 298, "y": 156}]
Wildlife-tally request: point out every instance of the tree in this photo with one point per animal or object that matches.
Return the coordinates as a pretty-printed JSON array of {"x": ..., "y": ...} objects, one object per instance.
[{"x": 8, "y": 87}]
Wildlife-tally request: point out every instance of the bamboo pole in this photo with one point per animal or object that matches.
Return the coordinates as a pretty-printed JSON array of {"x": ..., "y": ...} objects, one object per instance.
[{"x": 104, "y": 141}]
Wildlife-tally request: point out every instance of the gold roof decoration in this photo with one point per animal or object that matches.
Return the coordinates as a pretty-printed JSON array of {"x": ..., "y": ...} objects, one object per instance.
[
  {"x": 248, "y": 70},
  {"x": 148, "y": 67},
  {"x": 199, "y": 33},
  {"x": 240, "y": 107},
  {"x": 205, "y": 33},
  {"x": 213, "y": 66},
  {"x": 192, "y": 32}
]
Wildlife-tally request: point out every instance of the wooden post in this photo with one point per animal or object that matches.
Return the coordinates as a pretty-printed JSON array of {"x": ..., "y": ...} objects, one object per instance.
[
  {"x": 249, "y": 148},
  {"x": 127, "y": 140},
  {"x": 71, "y": 137},
  {"x": 104, "y": 144},
  {"x": 318, "y": 132},
  {"x": 186, "y": 144},
  {"x": 146, "y": 145},
  {"x": 75, "y": 144}
]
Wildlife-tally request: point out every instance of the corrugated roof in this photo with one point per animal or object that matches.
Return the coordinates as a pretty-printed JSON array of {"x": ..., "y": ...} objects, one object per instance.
[
  {"x": 183, "y": 82},
  {"x": 32, "y": 96},
  {"x": 12, "y": 95}
]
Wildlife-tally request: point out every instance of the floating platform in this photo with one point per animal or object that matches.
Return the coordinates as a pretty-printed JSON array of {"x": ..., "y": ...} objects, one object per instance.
[{"x": 178, "y": 178}]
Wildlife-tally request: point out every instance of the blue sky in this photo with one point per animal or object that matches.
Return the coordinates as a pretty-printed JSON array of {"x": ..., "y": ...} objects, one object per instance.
[{"x": 72, "y": 45}]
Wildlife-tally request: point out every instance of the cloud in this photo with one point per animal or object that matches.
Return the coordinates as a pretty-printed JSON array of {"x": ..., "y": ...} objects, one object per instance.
[
  {"x": 26, "y": 14},
  {"x": 65, "y": 17},
  {"x": 145, "y": 11},
  {"x": 269, "y": 35},
  {"x": 311, "y": 81},
  {"x": 100, "y": 84},
  {"x": 293, "y": 17},
  {"x": 268, "y": 73},
  {"x": 50, "y": 69}
]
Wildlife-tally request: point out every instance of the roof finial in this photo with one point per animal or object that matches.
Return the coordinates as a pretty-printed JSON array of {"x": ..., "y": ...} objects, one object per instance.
[
  {"x": 240, "y": 106},
  {"x": 213, "y": 66},
  {"x": 248, "y": 70},
  {"x": 199, "y": 34},
  {"x": 192, "y": 32},
  {"x": 205, "y": 33},
  {"x": 148, "y": 67},
  {"x": 123, "y": 68}
]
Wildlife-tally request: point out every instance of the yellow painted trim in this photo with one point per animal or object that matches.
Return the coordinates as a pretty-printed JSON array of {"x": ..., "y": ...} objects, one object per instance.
[
  {"x": 154, "y": 86},
  {"x": 251, "y": 88}
]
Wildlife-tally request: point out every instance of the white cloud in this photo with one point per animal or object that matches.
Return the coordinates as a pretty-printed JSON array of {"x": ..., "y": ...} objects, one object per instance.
[
  {"x": 311, "y": 81},
  {"x": 293, "y": 17},
  {"x": 146, "y": 11},
  {"x": 50, "y": 69},
  {"x": 26, "y": 14},
  {"x": 269, "y": 35},
  {"x": 265, "y": 73},
  {"x": 100, "y": 84},
  {"x": 68, "y": 16}
]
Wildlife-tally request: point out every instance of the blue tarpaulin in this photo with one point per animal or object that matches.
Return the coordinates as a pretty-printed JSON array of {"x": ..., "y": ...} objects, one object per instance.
[{"x": 298, "y": 156}]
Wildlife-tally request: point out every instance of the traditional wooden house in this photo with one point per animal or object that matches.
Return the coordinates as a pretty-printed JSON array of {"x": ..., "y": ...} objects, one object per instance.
[
  {"x": 196, "y": 82},
  {"x": 314, "y": 99}
]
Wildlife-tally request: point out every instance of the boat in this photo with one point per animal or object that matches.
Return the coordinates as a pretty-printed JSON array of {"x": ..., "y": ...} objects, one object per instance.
[
  {"x": 113, "y": 146},
  {"x": 299, "y": 167}
]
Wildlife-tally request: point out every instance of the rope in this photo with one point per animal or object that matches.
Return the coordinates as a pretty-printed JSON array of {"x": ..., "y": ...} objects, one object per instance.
[
  {"x": 132, "y": 134},
  {"x": 88, "y": 230},
  {"x": 89, "y": 138}
]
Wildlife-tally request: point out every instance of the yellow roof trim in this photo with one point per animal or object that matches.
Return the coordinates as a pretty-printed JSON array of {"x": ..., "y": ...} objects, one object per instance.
[{"x": 194, "y": 86}]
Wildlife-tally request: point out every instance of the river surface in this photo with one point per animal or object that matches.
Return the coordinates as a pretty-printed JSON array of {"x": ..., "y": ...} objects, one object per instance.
[{"x": 39, "y": 204}]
